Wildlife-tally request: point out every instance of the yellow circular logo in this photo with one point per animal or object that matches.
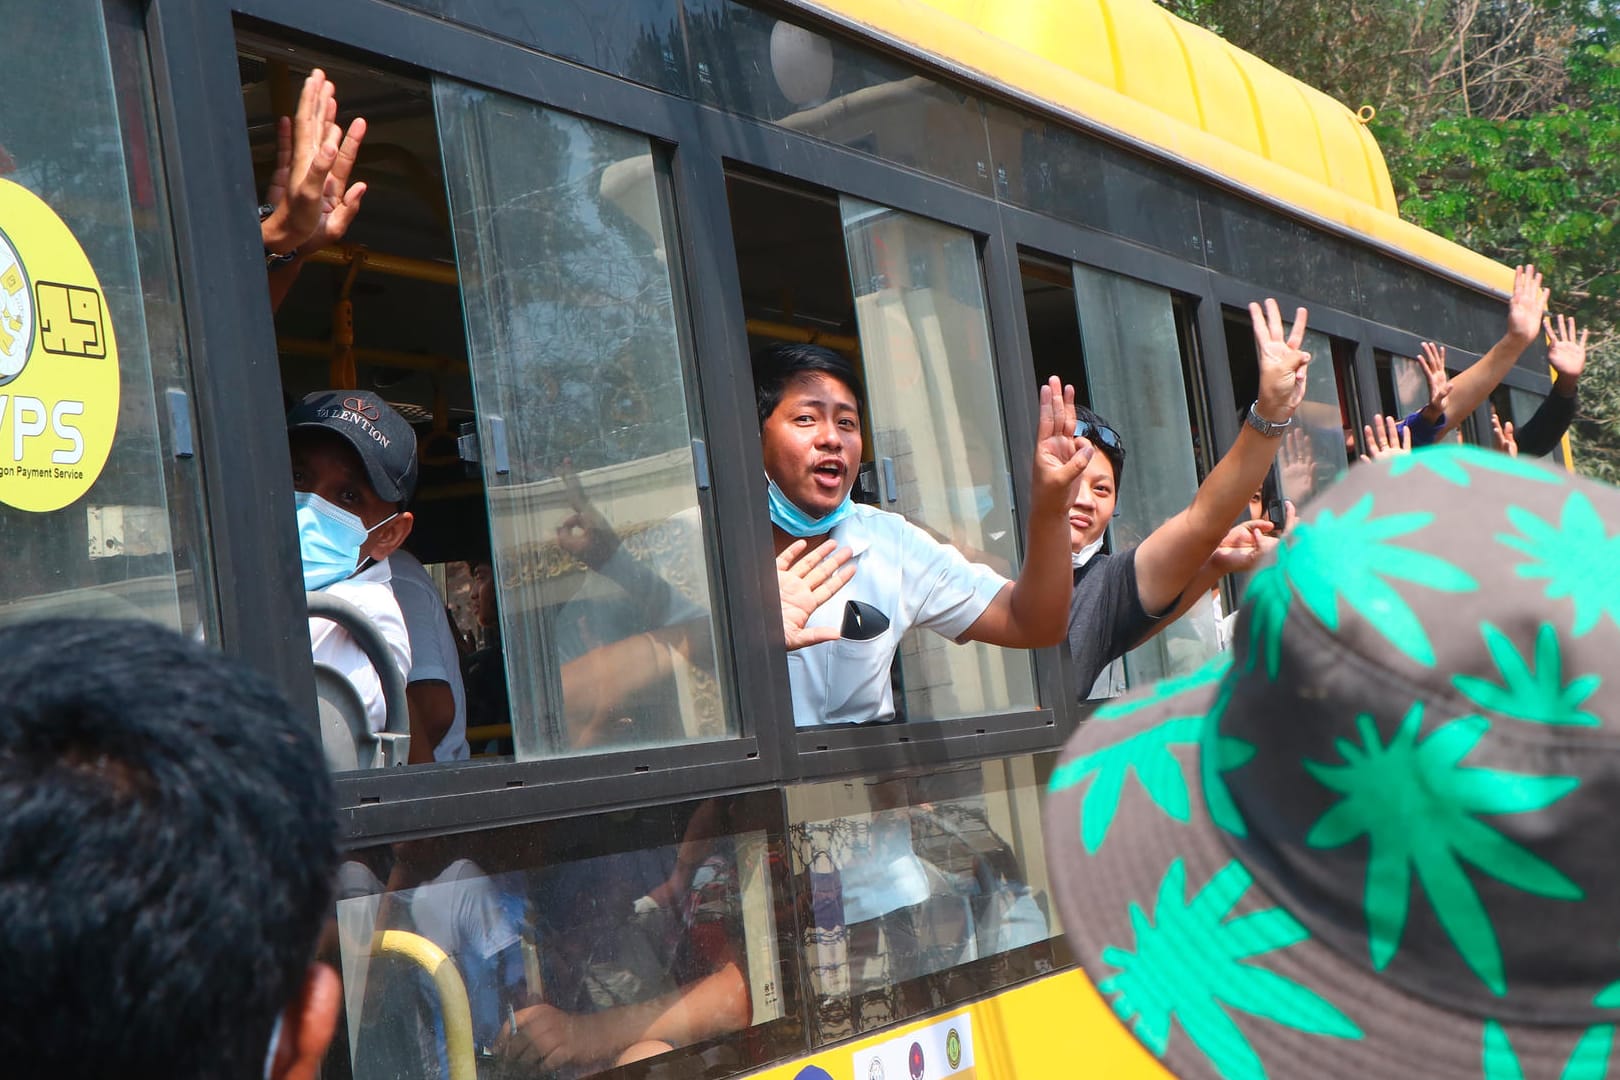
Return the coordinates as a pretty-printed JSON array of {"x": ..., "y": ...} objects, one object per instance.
[{"x": 58, "y": 360}]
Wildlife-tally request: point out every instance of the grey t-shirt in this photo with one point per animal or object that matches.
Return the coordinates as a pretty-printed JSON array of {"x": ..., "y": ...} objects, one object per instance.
[{"x": 1105, "y": 614}]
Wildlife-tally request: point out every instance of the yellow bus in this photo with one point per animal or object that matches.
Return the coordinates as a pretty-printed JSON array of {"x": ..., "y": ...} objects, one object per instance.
[{"x": 580, "y": 221}]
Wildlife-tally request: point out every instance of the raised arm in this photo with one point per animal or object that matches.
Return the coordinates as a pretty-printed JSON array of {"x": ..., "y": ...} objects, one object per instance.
[
  {"x": 1033, "y": 611},
  {"x": 1526, "y": 309},
  {"x": 1169, "y": 559},
  {"x": 1540, "y": 434}
]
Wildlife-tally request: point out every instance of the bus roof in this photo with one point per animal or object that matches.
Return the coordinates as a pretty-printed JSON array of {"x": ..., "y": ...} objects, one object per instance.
[{"x": 1140, "y": 74}]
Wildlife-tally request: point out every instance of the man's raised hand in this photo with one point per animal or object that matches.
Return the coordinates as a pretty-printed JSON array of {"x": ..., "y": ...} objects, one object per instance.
[
  {"x": 1527, "y": 308},
  {"x": 1060, "y": 458},
  {"x": 1565, "y": 352},
  {"x": 1386, "y": 438},
  {"x": 1433, "y": 360},
  {"x": 1283, "y": 362}
]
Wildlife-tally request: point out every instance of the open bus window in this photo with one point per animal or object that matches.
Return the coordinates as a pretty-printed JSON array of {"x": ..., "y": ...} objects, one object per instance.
[
  {"x": 379, "y": 311},
  {"x": 641, "y": 936},
  {"x": 919, "y": 892},
  {"x": 903, "y": 299}
]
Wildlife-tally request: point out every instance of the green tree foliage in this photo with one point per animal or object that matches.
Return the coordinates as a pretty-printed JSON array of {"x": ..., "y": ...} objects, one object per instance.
[{"x": 1500, "y": 121}]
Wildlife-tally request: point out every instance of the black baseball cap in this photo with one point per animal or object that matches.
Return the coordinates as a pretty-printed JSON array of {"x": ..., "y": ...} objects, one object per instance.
[{"x": 379, "y": 434}]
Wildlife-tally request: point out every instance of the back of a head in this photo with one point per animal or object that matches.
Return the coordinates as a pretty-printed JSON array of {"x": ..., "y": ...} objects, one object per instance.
[
  {"x": 777, "y": 365},
  {"x": 167, "y": 838}
]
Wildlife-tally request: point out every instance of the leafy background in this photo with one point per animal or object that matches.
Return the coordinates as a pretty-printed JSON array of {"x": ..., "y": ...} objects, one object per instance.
[{"x": 1500, "y": 121}]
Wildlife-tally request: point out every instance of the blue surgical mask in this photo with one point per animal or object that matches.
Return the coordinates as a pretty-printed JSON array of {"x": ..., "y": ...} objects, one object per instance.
[
  {"x": 972, "y": 503},
  {"x": 795, "y": 522},
  {"x": 329, "y": 540}
]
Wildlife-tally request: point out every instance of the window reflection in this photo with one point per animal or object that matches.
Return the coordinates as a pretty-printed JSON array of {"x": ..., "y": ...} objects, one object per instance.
[
  {"x": 916, "y": 892},
  {"x": 580, "y": 946},
  {"x": 599, "y": 555}
]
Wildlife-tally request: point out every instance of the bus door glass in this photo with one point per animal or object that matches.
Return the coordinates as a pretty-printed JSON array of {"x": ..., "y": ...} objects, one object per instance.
[
  {"x": 937, "y": 434},
  {"x": 585, "y": 430},
  {"x": 91, "y": 504},
  {"x": 1133, "y": 366}
]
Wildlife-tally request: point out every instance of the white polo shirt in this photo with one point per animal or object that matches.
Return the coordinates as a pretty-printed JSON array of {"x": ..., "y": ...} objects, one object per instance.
[
  {"x": 915, "y": 581},
  {"x": 371, "y": 592}
]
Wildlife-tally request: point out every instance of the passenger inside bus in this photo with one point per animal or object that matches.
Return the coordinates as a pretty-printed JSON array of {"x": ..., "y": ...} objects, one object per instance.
[
  {"x": 810, "y": 404},
  {"x": 1121, "y": 599},
  {"x": 354, "y": 470}
]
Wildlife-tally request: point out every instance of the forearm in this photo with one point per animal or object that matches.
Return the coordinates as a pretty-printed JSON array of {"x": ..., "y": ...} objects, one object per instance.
[
  {"x": 713, "y": 1005},
  {"x": 1168, "y": 560},
  {"x": 1540, "y": 434},
  {"x": 1038, "y": 602},
  {"x": 1470, "y": 389},
  {"x": 433, "y": 711}
]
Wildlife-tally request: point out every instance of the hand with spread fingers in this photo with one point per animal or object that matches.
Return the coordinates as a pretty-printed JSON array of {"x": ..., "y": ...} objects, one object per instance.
[
  {"x": 1283, "y": 363},
  {"x": 806, "y": 580},
  {"x": 1503, "y": 434},
  {"x": 1385, "y": 439},
  {"x": 1296, "y": 465},
  {"x": 1566, "y": 353},
  {"x": 1527, "y": 308},
  {"x": 1433, "y": 360},
  {"x": 312, "y": 202}
]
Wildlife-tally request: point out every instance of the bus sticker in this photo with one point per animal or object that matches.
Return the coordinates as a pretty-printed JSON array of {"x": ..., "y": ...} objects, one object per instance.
[{"x": 59, "y": 381}]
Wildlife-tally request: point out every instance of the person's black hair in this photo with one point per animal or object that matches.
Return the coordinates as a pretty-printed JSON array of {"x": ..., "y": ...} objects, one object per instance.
[
  {"x": 1115, "y": 455},
  {"x": 167, "y": 842},
  {"x": 777, "y": 365}
]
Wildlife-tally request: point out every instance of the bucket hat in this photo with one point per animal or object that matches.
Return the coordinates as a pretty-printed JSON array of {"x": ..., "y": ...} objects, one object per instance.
[{"x": 1381, "y": 837}]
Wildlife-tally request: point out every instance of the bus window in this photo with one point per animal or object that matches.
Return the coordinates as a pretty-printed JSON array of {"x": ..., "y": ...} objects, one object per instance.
[
  {"x": 1344, "y": 381},
  {"x": 1134, "y": 364},
  {"x": 919, "y": 891},
  {"x": 1054, "y": 323},
  {"x": 96, "y": 520},
  {"x": 1315, "y": 453},
  {"x": 649, "y": 934},
  {"x": 379, "y": 311},
  {"x": 903, "y": 298},
  {"x": 600, "y": 557}
]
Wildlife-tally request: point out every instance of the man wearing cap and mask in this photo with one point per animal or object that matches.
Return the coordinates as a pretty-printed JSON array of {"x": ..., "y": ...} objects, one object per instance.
[
  {"x": 354, "y": 469},
  {"x": 1377, "y": 839}
]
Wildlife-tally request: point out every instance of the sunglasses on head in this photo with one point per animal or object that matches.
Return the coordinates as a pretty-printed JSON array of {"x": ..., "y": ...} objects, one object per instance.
[{"x": 1099, "y": 434}]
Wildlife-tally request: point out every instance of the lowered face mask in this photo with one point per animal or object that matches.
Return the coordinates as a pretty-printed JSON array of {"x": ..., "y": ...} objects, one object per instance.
[
  {"x": 329, "y": 540},
  {"x": 795, "y": 522}
]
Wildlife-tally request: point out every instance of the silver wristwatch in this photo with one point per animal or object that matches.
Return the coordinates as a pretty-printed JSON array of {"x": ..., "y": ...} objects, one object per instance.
[{"x": 1264, "y": 426}]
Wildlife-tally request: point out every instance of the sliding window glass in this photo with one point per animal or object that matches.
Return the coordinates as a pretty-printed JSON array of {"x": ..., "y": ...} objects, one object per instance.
[
  {"x": 585, "y": 432},
  {"x": 937, "y": 434},
  {"x": 1134, "y": 369}
]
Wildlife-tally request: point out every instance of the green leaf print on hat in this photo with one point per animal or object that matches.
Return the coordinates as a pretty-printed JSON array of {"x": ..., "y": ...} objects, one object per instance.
[
  {"x": 1578, "y": 559},
  {"x": 1447, "y": 463},
  {"x": 1538, "y": 695},
  {"x": 1165, "y": 689},
  {"x": 1149, "y": 754},
  {"x": 1190, "y": 966},
  {"x": 1349, "y": 556},
  {"x": 1588, "y": 1061},
  {"x": 1415, "y": 804}
]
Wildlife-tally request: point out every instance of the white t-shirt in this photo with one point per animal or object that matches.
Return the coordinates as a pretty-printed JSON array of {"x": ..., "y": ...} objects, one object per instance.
[
  {"x": 331, "y": 645},
  {"x": 433, "y": 646},
  {"x": 914, "y": 580}
]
